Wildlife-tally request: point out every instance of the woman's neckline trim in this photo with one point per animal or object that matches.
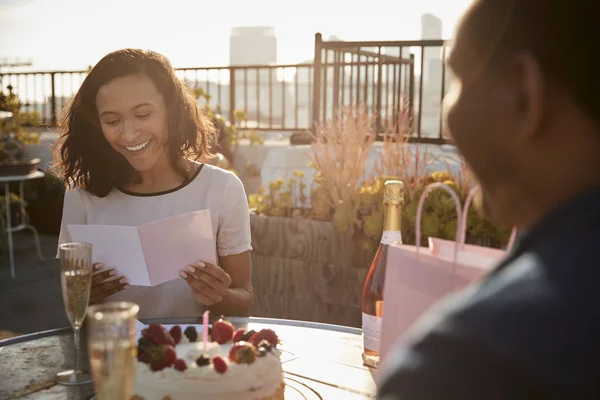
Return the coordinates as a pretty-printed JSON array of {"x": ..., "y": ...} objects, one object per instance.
[{"x": 184, "y": 184}]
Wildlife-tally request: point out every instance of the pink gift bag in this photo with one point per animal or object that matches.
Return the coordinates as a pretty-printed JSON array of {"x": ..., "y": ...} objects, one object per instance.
[
  {"x": 468, "y": 254},
  {"x": 417, "y": 277}
]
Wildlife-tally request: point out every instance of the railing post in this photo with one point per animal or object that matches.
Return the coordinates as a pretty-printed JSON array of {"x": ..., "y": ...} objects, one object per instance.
[
  {"x": 421, "y": 80},
  {"x": 232, "y": 84},
  {"x": 336, "y": 79},
  {"x": 442, "y": 93},
  {"x": 317, "y": 82},
  {"x": 378, "y": 94},
  {"x": 52, "y": 99},
  {"x": 411, "y": 90}
]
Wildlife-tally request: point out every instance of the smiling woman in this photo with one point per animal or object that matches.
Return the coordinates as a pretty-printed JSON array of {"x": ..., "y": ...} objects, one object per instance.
[
  {"x": 130, "y": 152},
  {"x": 133, "y": 119}
]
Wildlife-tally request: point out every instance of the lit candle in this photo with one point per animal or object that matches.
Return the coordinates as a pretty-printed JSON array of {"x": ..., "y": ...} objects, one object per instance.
[{"x": 205, "y": 330}]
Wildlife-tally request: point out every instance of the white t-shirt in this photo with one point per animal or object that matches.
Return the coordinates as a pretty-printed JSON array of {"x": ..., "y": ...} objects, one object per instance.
[{"x": 212, "y": 188}]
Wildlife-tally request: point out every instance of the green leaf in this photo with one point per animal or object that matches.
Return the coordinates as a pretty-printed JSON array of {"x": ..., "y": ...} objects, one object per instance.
[
  {"x": 254, "y": 200},
  {"x": 447, "y": 205},
  {"x": 374, "y": 224},
  {"x": 450, "y": 230},
  {"x": 436, "y": 202},
  {"x": 430, "y": 224},
  {"x": 411, "y": 211},
  {"x": 344, "y": 217}
]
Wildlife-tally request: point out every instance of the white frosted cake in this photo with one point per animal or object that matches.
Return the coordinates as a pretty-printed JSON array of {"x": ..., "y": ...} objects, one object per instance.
[{"x": 234, "y": 365}]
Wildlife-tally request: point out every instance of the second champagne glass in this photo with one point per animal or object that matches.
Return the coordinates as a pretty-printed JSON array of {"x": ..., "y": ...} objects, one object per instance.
[
  {"x": 76, "y": 281},
  {"x": 112, "y": 349}
]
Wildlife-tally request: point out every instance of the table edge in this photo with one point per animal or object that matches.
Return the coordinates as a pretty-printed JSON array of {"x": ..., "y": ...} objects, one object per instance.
[
  {"x": 168, "y": 321},
  {"x": 17, "y": 178}
]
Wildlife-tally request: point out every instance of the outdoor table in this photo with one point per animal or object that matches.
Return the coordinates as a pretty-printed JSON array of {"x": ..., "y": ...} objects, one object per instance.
[
  {"x": 320, "y": 361},
  {"x": 24, "y": 223}
]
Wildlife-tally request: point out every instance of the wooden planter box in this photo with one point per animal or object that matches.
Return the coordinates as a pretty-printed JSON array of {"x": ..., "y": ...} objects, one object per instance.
[{"x": 305, "y": 270}]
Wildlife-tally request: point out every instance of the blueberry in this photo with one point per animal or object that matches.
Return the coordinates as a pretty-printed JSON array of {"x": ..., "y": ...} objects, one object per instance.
[
  {"x": 247, "y": 335},
  {"x": 191, "y": 333},
  {"x": 203, "y": 361}
]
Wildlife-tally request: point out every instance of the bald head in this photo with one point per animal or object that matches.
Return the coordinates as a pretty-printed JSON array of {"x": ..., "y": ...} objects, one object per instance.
[
  {"x": 562, "y": 35},
  {"x": 523, "y": 103}
]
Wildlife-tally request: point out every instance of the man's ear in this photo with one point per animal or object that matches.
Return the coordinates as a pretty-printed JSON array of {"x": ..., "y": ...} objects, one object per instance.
[{"x": 529, "y": 83}]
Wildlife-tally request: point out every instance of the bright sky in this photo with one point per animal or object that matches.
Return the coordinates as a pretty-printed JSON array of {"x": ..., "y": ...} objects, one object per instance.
[{"x": 72, "y": 34}]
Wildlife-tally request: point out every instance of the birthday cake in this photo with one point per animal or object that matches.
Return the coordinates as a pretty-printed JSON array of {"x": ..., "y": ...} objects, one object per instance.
[{"x": 178, "y": 365}]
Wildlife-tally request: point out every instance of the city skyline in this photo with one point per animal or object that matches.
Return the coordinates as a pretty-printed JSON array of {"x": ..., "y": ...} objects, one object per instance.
[{"x": 42, "y": 30}]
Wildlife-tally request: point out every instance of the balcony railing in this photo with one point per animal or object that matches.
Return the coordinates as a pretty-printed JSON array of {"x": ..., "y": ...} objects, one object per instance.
[{"x": 384, "y": 76}]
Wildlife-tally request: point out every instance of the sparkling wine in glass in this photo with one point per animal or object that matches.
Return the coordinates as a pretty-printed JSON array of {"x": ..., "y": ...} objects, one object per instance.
[
  {"x": 76, "y": 281},
  {"x": 112, "y": 349}
]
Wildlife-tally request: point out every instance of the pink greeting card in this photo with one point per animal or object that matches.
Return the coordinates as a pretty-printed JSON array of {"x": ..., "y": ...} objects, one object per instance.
[{"x": 154, "y": 253}]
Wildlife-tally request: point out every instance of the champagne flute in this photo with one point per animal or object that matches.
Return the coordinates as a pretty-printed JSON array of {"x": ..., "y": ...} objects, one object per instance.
[
  {"x": 112, "y": 349},
  {"x": 76, "y": 281}
]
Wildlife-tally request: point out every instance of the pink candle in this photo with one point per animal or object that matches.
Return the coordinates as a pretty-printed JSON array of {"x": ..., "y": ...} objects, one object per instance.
[{"x": 205, "y": 329}]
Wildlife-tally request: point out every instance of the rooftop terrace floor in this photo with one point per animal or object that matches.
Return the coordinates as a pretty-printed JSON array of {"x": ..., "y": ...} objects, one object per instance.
[{"x": 33, "y": 301}]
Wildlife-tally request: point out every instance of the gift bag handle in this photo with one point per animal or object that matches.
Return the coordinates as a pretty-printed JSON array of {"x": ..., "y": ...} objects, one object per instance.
[
  {"x": 456, "y": 199},
  {"x": 465, "y": 215}
]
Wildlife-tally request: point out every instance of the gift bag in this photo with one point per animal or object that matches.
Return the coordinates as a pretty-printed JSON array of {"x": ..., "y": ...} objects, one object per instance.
[
  {"x": 417, "y": 277},
  {"x": 468, "y": 254}
]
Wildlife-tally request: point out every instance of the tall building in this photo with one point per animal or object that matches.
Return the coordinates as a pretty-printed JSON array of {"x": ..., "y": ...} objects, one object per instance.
[
  {"x": 251, "y": 45},
  {"x": 431, "y": 29},
  {"x": 261, "y": 92}
]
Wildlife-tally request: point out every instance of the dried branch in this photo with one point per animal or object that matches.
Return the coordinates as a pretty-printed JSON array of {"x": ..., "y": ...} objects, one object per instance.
[
  {"x": 340, "y": 151},
  {"x": 400, "y": 159}
]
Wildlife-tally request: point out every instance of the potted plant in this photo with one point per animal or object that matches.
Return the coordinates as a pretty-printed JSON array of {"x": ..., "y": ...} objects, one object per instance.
[
  {"x": 13, "y": 137},
  {"x": 228, "y": 141},
  {"x": 313, "y": 246}
]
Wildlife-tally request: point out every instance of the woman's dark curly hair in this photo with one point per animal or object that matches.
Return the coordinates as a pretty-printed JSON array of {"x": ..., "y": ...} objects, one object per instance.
[{"x": 83, "y": 158}]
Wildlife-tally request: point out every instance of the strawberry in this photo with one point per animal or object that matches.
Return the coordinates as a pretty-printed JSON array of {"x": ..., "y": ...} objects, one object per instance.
[
  {"x": 162, "y": 357},
  {"x": 222, "y": 331},
  {"x": 157, "y": 365},
  {"x": 158, "y": 335},
  {"x": 144, "y": 357},
  {"x": 179, "y": 365},
  {"x": 238, "y": 335},
  {"x": 243, "y": 353},
  {"x": 265, "y": 334},
  {"x": 143, "y": 344},
  {"x": 219, "y": 364},
  {"x": 175, "y": 333},
  {"x": 170, "y": 355}
]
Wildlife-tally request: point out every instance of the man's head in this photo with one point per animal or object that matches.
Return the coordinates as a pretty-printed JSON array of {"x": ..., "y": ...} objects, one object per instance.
[{"x": 524, "y": 105}]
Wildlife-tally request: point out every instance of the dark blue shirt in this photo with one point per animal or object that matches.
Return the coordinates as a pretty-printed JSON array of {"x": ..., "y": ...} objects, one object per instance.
[{"x": 531, "y": 330}]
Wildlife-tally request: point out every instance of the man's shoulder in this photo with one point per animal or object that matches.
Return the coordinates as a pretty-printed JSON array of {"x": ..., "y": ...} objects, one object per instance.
[
  {"x": 534, "y": 296},
  {"x": 530, "y": 320}
]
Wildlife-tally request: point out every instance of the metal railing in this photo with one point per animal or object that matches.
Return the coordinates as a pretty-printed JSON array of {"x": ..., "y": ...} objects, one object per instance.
[{"x": 384, "y": 76}]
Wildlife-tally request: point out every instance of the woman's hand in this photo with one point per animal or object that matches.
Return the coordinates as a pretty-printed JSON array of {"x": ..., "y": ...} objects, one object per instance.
[
  {"x": 209, "y": 283},
  {"x": 105, "y": 283}
]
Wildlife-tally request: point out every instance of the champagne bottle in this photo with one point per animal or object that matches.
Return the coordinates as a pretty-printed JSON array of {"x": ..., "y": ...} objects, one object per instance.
[{"x": 372, "y": 299}]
